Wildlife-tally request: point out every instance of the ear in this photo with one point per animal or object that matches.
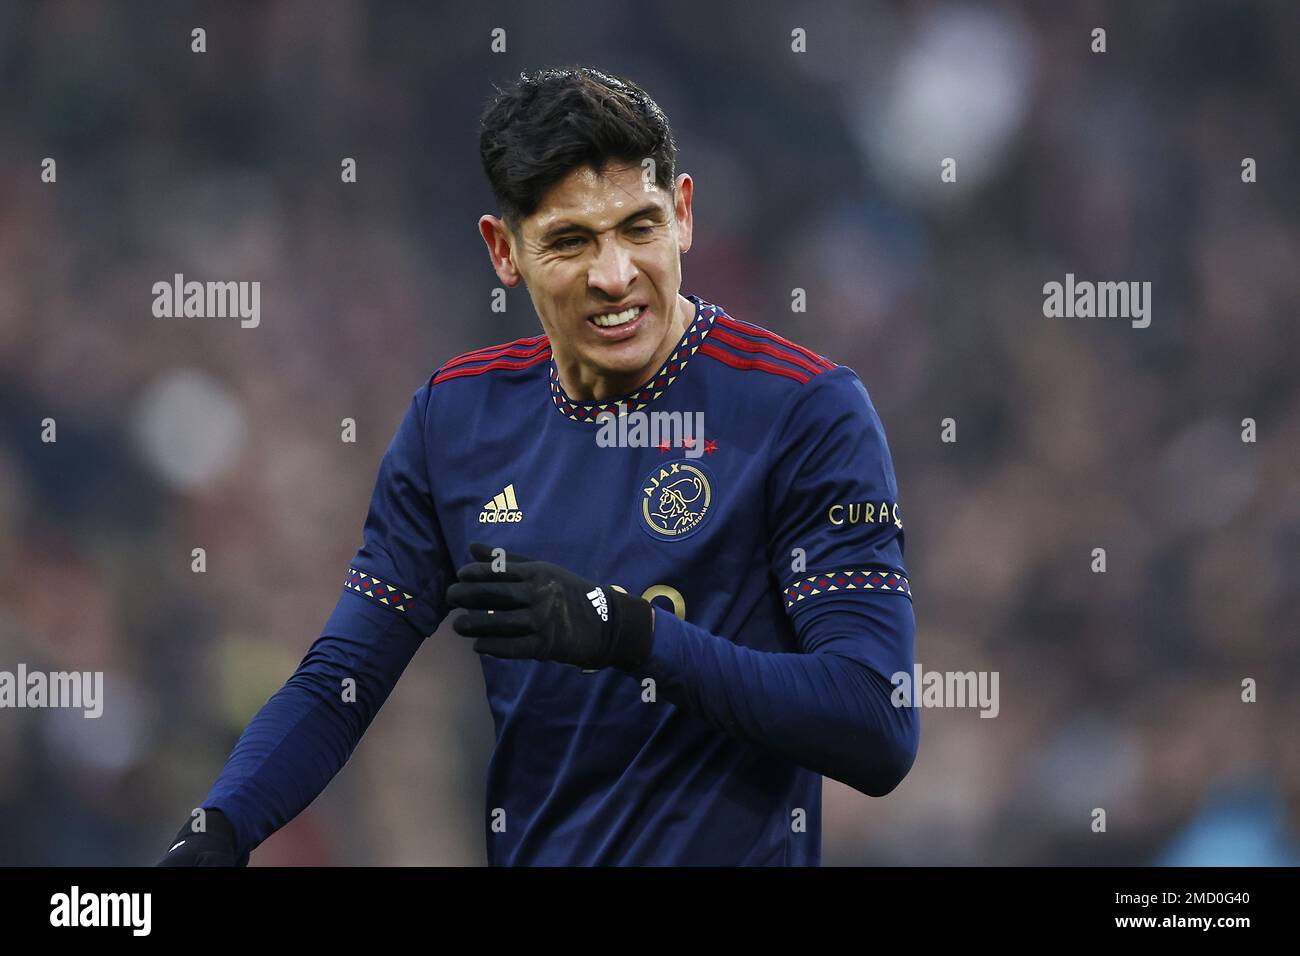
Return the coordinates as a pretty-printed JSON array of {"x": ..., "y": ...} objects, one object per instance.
[
  {"x": 685, "y": 189},
  {"x": 500, "y": 245}
]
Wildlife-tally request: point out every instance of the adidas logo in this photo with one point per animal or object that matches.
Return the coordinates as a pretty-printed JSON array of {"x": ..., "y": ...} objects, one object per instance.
[
  {"x": 503, "y": 507},
  {"x": 597, "y": 598}
]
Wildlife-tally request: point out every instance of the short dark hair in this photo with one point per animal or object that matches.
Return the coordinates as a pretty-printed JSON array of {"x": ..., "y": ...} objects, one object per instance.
[{"x": 552, "y": 121}]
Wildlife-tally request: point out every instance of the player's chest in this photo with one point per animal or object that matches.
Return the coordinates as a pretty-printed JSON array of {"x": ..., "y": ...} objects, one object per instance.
[{"x": 584, "y": 496}]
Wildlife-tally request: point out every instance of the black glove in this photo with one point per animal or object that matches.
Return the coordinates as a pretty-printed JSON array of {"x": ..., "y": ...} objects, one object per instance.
[
  {"x": 535, "y": 609},
  {"x": 214, "y": 847}
]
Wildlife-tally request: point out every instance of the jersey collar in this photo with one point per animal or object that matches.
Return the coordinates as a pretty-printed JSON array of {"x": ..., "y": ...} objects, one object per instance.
[{"x": 639, "y": 398}]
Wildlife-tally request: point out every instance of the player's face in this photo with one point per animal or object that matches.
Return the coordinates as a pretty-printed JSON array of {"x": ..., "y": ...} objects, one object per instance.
[{"x": 601, "y": 258}]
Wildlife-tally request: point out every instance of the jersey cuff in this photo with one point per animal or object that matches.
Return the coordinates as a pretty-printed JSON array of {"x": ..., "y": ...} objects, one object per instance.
[{"x": 831, "y": 582}]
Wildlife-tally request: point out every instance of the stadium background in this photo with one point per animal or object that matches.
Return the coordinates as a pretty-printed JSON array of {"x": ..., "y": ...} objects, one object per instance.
[{"x": 817, "y": 171}]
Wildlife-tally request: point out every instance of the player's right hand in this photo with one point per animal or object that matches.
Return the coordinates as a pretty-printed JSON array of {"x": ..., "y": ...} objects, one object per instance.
[{"x": 215, "y": 846}]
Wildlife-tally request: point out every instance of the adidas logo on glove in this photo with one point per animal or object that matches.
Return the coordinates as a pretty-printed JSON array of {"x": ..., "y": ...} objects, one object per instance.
[{"x": 597, "y": 598}]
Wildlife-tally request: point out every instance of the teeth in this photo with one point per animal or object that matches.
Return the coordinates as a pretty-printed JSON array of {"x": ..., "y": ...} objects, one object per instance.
[{"x": 617, "y": 318}]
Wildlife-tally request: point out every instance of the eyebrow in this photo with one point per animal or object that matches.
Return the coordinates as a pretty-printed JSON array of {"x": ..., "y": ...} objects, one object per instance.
[{"x": 567, "y": 226}]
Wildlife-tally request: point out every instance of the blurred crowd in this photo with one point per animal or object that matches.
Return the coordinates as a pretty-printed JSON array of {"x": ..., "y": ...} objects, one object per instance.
[{"x": 1120, "y": 691}]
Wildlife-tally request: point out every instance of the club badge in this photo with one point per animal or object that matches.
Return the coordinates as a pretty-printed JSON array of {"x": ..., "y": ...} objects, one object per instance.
[{"x": 676, "y": 499}]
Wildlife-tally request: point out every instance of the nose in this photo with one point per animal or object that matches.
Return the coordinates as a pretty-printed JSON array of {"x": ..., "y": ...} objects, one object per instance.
[{"x": 613, "y": 270}]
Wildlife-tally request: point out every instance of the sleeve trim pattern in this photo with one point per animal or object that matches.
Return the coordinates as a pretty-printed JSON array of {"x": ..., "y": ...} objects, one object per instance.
[
  {"x": 870, "y": 580},
  {"x": 380, "y": 591}
]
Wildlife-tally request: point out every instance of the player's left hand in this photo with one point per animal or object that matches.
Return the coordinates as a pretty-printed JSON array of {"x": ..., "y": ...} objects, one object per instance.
[{"x": 538, "y": 610}]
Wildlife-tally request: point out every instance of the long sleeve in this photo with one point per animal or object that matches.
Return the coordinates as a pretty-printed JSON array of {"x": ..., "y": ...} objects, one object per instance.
[
  {"x": 826, "y": 711},
  {"x": 835, "y": 550},
  {"x": 392, "y": 599}
]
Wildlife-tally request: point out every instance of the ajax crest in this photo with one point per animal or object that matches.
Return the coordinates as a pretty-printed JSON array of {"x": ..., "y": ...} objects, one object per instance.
[{"x": 675, "y": 499}]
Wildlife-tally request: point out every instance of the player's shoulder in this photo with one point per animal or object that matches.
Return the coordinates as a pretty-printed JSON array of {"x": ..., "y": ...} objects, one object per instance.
[
  {"x": 749, "y": 347},
  {"x": 763, "y": 362},
  {"x": 782, "y": 381},
  {"x": 508, "y": 359}
]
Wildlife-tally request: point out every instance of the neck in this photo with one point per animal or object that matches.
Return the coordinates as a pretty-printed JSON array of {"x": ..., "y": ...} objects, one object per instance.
[{"x": 587, "y": 384}]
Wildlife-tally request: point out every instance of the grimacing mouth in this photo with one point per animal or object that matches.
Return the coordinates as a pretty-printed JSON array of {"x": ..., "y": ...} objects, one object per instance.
[{"x": 641, "y": 308}]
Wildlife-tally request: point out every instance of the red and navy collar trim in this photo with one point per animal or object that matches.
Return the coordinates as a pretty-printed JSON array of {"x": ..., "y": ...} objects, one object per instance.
[{"x": 705, "y": 315}]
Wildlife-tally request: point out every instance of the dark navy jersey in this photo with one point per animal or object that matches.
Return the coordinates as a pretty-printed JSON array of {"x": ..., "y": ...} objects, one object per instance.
[{"x": 746, "y": 490}]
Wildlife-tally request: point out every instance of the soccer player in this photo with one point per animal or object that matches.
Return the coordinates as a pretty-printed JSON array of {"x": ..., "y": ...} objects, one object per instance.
[{"x": 679, "y": 636}]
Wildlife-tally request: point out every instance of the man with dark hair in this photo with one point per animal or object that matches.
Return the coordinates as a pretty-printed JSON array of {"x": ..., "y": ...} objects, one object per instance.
[{"x": 710, "y": 616}]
